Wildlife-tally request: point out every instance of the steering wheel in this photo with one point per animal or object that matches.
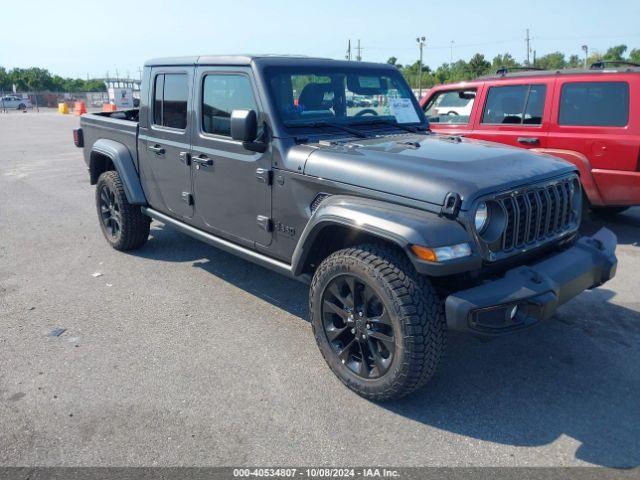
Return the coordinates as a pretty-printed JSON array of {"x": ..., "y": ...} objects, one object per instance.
[{"x": 366, "y": 111}]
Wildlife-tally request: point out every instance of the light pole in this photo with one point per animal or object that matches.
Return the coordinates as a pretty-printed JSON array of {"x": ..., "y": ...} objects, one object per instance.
[
  {"x": 451, "y": 56},
  {"x": 421, "y": 43},
  {"x": 585, "y": 48}
]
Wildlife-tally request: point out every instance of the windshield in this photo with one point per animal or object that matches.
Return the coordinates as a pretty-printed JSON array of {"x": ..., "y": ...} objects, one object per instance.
[{"x": 342, "y": 96}]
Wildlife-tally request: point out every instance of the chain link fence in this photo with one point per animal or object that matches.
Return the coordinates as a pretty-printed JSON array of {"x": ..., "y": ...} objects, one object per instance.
[{"x": 45, "y": 100}]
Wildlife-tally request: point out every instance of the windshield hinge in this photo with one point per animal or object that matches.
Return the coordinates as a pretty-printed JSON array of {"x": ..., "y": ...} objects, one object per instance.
[{"x": 451, "y": 206}]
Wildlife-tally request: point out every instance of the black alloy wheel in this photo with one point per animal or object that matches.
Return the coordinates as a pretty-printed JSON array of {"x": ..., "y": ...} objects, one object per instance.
[
  {"x": 358, "y": 326},
  {"x": 110, "y": 215}
]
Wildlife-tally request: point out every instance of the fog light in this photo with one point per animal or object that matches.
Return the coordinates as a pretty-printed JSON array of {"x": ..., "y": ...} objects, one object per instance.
[{"x": 513, "y": 311}]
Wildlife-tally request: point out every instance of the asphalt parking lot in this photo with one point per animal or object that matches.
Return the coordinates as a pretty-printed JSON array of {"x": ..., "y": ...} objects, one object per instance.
[{"x": 180, "y": 354}]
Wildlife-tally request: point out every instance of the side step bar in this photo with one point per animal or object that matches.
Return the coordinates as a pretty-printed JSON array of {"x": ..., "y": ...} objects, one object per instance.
[{"x": 247, "y": 254}]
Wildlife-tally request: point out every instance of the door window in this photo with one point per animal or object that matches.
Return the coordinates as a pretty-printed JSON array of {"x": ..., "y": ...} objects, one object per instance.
[
  {"x": 171, "y": 91},
  {"x": 220, "y": 96},
  {"x": 594, "y": 104},
  {"x": 515, "y": 104},
  {"x": 451, "y": 107}
]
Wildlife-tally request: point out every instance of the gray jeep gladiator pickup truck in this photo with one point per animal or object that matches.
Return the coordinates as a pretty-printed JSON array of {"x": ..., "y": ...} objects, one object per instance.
[{"x": 326, "y": 171}]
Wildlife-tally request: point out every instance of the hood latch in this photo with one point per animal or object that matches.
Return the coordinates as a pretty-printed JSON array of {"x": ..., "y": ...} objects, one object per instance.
[{"x": 452, "y": 204}]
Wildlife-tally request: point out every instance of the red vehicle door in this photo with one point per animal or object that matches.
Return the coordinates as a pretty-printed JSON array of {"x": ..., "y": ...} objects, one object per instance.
[
  {"x": 452, "y": 110},
  {"x": 515, "y": 112},
  {"x": 595, "y": 125}
]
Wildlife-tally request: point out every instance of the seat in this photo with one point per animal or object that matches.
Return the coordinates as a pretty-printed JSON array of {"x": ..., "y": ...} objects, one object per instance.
[
  {"x": 311, "y": 100},
  {"x": 512, "y": 108}
]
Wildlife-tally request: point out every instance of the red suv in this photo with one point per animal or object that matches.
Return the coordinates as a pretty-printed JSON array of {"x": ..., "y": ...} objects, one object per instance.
[{"x": 589, "y": 117}]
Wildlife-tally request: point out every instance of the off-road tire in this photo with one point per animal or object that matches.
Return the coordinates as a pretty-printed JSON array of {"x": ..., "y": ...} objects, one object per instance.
[
  {"x": 417, "y": 313},
  {"x": 134, "y": 225}
]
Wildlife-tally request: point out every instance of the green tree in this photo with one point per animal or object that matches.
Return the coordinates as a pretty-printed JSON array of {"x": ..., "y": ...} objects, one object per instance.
[
  {"x": 615, "y": 54},
  {"x": 575, "y": 62},
  {"x": 551, "y": 61},
  {"x": 4, "y": 79},
  {"x": 634, "y": 55},
  {"x": 478, "y": 65},
  {"x": 503, "y": 61}
]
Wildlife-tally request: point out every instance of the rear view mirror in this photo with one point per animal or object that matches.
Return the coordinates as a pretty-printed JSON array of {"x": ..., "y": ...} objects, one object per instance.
[
  {"x": 244, "y": 125},
  {"x": 467, "y": 95}
]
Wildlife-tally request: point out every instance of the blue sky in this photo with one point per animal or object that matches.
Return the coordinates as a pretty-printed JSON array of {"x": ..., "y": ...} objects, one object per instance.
[{"x": 76, "y": 38}]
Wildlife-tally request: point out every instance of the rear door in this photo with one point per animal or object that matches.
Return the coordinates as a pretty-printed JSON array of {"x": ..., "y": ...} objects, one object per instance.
[
  {"x": 165, "y": 143},
  {"x": 231, "y": 185},
  {"x": 515, "y": 113}
]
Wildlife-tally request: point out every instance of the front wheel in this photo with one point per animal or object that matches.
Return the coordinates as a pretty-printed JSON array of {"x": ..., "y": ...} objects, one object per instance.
[
  {"x": 124, "y": 226},
  {"x": 379, "y": 325}
]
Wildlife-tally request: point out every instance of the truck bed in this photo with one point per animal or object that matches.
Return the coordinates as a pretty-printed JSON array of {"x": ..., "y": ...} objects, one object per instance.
[{"x": 120, "y": 126}]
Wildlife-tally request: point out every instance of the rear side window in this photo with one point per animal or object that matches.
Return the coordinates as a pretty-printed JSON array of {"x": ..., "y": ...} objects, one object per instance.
[
  {"x": 603, "y": 104},
  {"x": 221, "y": 95},
  {"x": 515, "y": 104},
  {"x": 171, "y": 91},
  {"x": 452, "y": 107}
]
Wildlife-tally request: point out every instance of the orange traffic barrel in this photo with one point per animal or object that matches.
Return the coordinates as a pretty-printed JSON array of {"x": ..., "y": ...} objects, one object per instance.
[
  {"x": 79, "y": 108},
  {"x": 109, "y": 107}
]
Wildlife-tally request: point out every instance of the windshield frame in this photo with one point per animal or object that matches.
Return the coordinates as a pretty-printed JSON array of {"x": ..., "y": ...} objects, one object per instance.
[{"x": 333, "y": 67}]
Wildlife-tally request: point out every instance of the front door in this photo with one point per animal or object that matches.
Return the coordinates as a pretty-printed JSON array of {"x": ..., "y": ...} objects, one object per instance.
[
  {"x": 231, "y": 185},
  {"x": 165, "y": 143}
]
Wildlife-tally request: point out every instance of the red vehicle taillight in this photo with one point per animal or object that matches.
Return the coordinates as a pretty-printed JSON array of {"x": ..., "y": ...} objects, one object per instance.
[{"x": 78, "y": 139}]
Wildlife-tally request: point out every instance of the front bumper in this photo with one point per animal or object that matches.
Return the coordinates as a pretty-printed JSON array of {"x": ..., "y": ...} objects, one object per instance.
[{"x": 528, "y": 294}]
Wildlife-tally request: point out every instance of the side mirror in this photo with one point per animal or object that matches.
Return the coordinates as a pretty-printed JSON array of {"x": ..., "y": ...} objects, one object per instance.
[{"x": 244, "y": 125}]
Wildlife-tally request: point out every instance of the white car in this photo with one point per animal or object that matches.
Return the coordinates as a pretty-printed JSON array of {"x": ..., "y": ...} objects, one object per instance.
[
  {"x": 13, "y": 101},
  {"x": 452, "y": 104}
]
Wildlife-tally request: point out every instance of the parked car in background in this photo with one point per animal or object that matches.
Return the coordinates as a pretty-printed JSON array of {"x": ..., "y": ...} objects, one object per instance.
[
  {"x": 589, "y": 117},
  {"x": 14, "y": 101},
  {"x": 453, "y": 104}
]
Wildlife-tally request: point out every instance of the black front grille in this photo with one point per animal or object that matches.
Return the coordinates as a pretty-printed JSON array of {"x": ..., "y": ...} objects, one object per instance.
[{"x": 537, "y": 214}]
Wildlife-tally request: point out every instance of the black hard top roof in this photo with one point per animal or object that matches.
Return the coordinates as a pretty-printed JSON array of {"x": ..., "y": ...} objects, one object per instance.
[{"x": 263, "y": 59}]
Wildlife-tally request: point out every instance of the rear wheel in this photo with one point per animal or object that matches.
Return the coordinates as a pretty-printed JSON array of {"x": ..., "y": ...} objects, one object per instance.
[
  {"x": 379, "y": 325},
  {"x": 124, "y": 225}
]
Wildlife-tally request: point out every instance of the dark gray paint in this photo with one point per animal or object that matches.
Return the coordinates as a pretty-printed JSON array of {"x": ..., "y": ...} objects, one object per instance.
[
  {"x": 228, "y": 195},
  {"x": 401, "y": 225},
  {"x": 123, "y": 162},
  {"x": 437, "y": 167},
  {"x": 166, "y": 177},
  {"x": 380, "y": 186}
]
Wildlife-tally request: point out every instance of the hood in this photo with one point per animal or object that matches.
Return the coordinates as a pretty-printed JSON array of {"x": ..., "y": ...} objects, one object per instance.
[{"x": 426, "y": 168}]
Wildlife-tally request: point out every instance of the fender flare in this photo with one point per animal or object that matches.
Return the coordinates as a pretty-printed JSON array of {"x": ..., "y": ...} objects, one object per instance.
[
  {"x": 581, "y": 162},
  {"x": 401, "y": 225},
  {"x": 123, "y": 163}
]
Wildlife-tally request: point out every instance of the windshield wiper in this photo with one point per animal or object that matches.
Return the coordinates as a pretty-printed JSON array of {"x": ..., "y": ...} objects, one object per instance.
[
  {"x": 352, "y": 131},
  {"x": 391, "y": 122}
]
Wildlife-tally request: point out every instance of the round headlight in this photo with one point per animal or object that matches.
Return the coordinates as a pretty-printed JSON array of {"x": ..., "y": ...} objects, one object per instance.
[{"x": 482, "y": 217}]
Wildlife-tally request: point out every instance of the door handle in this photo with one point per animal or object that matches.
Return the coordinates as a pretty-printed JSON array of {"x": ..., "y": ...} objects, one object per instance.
[
  {"x": 202, "y": 160},
  {"x": 157, "y": 149},
  {"x": 529, "y": 140}
]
